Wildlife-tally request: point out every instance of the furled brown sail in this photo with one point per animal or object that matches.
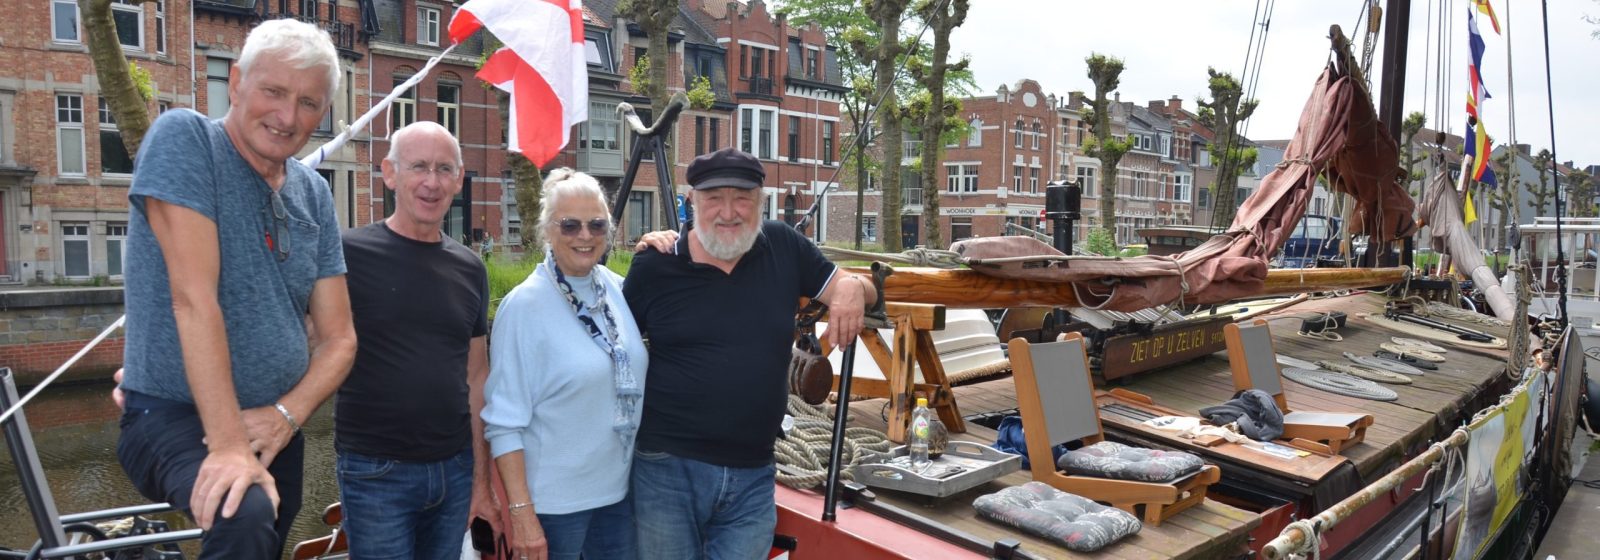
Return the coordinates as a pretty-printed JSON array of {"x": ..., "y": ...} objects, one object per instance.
[{"x": 1339, "y": 138}]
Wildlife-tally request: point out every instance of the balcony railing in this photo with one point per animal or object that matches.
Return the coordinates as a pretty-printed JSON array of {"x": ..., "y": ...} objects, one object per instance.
[
  {"x": 343, "y": 34},
  {"x": 759, "y": 85},
  {"x": 911, "y": 197}
]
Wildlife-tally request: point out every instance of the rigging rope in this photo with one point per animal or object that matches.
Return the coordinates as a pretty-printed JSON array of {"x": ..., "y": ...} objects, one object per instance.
[
  {"x": 919, "y": 256},
  {"x": 803, "y": 452},
  {"x": 1555, "y": 176}
]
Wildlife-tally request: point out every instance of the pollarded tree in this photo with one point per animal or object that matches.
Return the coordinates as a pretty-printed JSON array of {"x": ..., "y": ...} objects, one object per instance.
[
  {"x": 1542, "y": 193},
  {"x": 888, "y": 14},
  {"x": 938, "y": 113},
  {"x": 1222, "y": 114},
  {"x": 1106, "y": 73},
  {"x": 125, "y": 88},
  {"x": 1408, "y": 134}
]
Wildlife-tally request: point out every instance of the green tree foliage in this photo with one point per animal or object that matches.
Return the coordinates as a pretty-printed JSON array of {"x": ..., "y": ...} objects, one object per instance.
[
  {"x": 888, "y": 15},
  {"x": 1581, "y": 190},
  {"x": 857, "y": 34},
  {"x": 700, "y": 95},
  {"x": 655, "y": 18},
  {"x": 1222, "y": 114},
  {"x": 1106, "y": 74},
  {"x": 1100, "y": 241},
  {"x": 936, "y": 112}
]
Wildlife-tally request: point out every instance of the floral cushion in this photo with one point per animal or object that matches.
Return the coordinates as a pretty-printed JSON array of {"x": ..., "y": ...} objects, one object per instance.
[
  {"x": 1114, "y": 460},
  {"x": 1073, "y": 521}
]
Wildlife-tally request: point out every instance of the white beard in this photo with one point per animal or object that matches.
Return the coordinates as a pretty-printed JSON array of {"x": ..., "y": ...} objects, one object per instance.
[{"x": 730, "y": 249}]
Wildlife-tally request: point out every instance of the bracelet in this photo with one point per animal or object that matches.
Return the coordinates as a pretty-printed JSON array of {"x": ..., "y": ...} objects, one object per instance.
[{"x": 288, "y": 417}]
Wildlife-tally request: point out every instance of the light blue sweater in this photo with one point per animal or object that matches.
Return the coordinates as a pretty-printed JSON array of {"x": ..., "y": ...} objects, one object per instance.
[{"x": 551, "y": 394}]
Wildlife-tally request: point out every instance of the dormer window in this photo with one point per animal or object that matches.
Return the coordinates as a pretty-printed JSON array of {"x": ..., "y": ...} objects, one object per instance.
[
  {"x": 597, "y": 50},
  {"x": 428, "y": 26}
]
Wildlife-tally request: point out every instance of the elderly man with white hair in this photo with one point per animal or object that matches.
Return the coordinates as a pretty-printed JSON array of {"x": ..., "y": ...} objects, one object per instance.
[{"x": 232, "y": 245}]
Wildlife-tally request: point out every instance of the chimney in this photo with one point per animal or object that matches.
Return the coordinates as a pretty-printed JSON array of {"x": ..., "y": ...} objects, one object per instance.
[
  {"x": 1525, "y": 149},
  {"x": 1075, "y": 99},
  {"x": 1158, "y": 106},
  {"x": 1117, "y": 95},
  {"x": 1175, "y": 105}
]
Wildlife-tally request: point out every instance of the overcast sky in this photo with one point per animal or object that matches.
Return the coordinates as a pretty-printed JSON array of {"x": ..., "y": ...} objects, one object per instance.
[{"x": 1167, "y": 45}]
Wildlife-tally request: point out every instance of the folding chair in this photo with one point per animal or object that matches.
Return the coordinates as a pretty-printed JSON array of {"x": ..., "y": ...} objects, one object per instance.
[
  {"x": 1057, "y": 401},
  {"x": 53, "y": 529},
  {"x": 1255, "y": 366},
  {"x": 335, "y": 542}
]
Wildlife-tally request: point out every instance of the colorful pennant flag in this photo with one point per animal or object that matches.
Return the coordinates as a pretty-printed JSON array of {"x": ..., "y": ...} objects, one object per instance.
[
  {"x": 1469, "y": 214},
  {"x": 1478, "y": 145},
  {"x": 542, "y": 68},
  {"x": 1488, "y": 11}
]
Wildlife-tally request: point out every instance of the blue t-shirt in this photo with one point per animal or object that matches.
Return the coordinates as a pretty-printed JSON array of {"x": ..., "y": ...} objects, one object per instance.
[{"x": 188, "y": 160}]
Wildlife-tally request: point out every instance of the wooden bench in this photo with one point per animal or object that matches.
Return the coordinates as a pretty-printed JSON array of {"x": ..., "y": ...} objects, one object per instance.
[
  {"x": 1255, "y": 366},
  {"x": 1057, "y": 400}
]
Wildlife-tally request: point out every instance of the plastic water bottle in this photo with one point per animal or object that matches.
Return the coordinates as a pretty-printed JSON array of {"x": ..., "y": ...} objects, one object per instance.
[{"x": 917, "y": 441}]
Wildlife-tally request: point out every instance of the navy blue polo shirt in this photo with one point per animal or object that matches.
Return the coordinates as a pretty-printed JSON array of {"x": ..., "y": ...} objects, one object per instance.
[{"x": 719, "y": 345}]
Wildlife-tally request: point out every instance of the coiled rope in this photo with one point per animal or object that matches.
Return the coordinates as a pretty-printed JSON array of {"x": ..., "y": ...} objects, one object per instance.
[{"x": 803, "y": 452}]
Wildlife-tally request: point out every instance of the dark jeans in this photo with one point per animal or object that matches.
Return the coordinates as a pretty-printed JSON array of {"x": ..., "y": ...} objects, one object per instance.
[
  {"x": 603, "y": 532},
  {"x": 398, "y": 510},
  {"x": 161, "y": 450},
  {"x": 689, "y": 510}
]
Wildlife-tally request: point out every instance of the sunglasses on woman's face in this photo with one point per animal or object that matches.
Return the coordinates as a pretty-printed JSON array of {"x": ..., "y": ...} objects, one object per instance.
[{"x": 597, "y": 227}]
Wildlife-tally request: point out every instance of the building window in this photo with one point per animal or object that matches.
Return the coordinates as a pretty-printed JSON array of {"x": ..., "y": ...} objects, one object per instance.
[
  {"x": 597, "y": 50},
  {"x": 449, "y": 103},
  {"x": 757, "y": 134},
  {"x": 129, "y": 17},
  {"x": 869, "y": 228},
  {"x": 716, "y": 133},
  {"x": 404, "y": 109},
  {"x": 69, "y": 134},
  {"x": 827, "y": 142},
  {"x": 114, "y": 157},
  {"x": 1185, "y": 187},
  {"x": 64, "y": 21},
  {"x": 1016, "y": 134},
  {"x": 641, "y": 213},
  {"x": 975, "y": 136},
  {"x": 794, "y": 138},
  {"x": 699, "y": 135},
  {"x": 508, "y": 201},
  {"x": 161, "y": 26},
  {"x": 1036, "y": 135},
  {"x": 961, "y": 177},
  {"x": 1086, "y": 180},
  {"x": 116, "y": 234},
  {"x": 8, "y": 128},
  {"x": 428, "y": 26},
  {"x": 216, "y": 87},
  {"x": 1033, "y": 180},
  {"x": 1144, "y": 143},
  {"x": 75, "y": 250},
  {"x": 603, "y": 130},
  {"x": 1202, "y": 198},
  {"x": 960, "y": 228},
  {"x": 1016, "y": 178}
]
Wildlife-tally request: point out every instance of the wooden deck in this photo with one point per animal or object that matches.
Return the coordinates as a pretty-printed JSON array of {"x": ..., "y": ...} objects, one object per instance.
[
  {"x": 1209, "y": 530},
  {"x": 1425, "y": 410}
]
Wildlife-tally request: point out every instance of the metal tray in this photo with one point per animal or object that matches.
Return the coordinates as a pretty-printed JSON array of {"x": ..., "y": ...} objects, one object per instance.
[{"x": 977, "y": 464}]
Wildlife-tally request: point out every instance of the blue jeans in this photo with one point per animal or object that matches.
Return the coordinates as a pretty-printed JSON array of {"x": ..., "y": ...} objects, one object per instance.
[
  {"x": 404, "y": 510},
  {"x": 686, "y": 509},
  {"x": 603, "y": 532},
  {"x": 161, "y": 450}
]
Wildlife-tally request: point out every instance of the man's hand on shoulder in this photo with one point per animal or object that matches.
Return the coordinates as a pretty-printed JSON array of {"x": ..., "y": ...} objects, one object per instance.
[
  {"x": 664, "y": 242},
  {"x": 225, "y": 476}
]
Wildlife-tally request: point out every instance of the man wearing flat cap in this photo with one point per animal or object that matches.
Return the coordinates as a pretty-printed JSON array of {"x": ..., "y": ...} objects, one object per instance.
[{"x": 718, "y": 310}]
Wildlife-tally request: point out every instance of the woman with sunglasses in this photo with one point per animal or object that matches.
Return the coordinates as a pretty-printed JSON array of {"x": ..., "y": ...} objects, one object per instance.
[{"x": 567, "y": 369}]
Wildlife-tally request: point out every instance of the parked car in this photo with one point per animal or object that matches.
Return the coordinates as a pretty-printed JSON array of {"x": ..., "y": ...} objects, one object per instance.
[{"x": 1316, "y": 237}]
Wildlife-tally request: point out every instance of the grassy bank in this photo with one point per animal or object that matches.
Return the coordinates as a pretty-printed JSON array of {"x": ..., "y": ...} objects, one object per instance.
[{"x": 505, "y": 273}]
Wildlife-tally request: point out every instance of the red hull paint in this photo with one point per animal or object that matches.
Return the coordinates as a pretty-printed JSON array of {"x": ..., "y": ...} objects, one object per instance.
[{"x": 856, "y": 534}]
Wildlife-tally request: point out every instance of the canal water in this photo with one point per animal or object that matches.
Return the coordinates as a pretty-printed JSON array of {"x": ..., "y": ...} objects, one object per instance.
[{"x": 75, "y": 430}]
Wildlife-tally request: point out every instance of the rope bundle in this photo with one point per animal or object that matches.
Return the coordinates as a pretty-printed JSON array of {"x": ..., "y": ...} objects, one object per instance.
[
  {"x": 804, "y": 451},
  {"x": 1412, "y": 351},
  {"x": 1371, "y": 374}
]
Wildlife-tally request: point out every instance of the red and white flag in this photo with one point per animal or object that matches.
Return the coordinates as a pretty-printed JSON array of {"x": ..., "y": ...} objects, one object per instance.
[{"x": 542, "y": 68}]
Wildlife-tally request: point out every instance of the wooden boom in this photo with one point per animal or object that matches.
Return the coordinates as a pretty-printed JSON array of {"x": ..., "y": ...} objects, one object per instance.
[{"x": 966, "y": 288}]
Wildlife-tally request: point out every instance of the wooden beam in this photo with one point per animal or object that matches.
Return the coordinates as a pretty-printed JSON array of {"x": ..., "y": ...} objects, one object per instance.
[{"x": 967, "y": 289}]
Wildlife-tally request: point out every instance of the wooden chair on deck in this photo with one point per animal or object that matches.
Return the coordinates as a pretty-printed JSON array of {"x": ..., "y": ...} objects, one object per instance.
[
  {"x": 332, "y": 516},
  {"x": 1255, "y": 366},
  {"x": 1056, "y": 397}
]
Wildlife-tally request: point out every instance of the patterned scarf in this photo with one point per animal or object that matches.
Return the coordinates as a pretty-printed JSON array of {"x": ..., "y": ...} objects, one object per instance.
[{"x": 627, "y": 386}]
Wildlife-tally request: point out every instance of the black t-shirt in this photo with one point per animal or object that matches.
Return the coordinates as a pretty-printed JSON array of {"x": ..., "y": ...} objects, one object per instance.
[
  {"x": 719, "y": 345},
  {"x": 417, "y": 306}
]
